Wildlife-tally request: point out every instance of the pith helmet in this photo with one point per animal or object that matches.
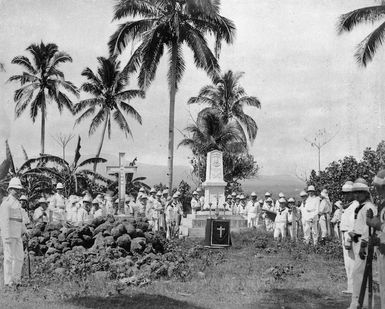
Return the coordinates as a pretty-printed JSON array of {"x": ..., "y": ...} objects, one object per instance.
[
  {"x": 348, "y": 186},
  {"x": 360, "y": 185},
  {"x": 310, "y": 189},
  {"x": 253, "y": 194},
  {"x": 59, "y": 186},
  {"x": 303, "y": 193}
]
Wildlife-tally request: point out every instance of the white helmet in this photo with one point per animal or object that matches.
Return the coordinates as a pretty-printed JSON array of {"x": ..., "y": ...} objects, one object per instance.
[
  {"x": 253, "y": 194},
  {"x": 291, "y": 200},
  {"x": 281, "y": 195},
  {"x": 87, "y": 199},
  {"x": 310, "y": 189},
  {"x": 348, "y": 186},
  {"x": 23, "y": 198},
  {"x": 15, "y": 183},
  {"x": 59, "y": 186},
  {"x": 303, "y": 193}
]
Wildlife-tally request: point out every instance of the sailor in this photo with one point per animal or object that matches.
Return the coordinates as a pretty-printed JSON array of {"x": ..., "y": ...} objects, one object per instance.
[
  {"x": 165, "y": 198},
  {"x": 268, "y": 207},
  {"x": 346, "y": 227},
  {"x": 158, "y": 212},
  {"x": 152, "y": 196},
  {"x": 281, "y": 220},
  {"x": 25, "y": 209},
  {"x": 378, "y": 223},
  {"x": 292, "y": 219},
  {"x": 140, "y": 211},
  {"x": 252, "y": 210},
  {"x": 336, "y": 219},
  {"x": 173, "y": 213},
  {"x": 128, "y": 205},
  {"x": 12, "y": 228},
  {"x": 301, "y": 209},
  {"x": 360, "y": 237},
  {"x": 195, "y": 202},
  {"x": 40, "y": 213},
  {"x": 267, "y": 195},
  {"x": 109, "y": 205},
  {"x": 84, "y": 214},
  {"x": 97, "y": 211},
  {"x": 201, "y": 198},
  {"x": 57, "y": 205},
  {"x": 325, "y": 209},
  {"x": 277, "y": 204},
  {"x": 242, "y": 206},
  {"x": 310, "y": 216},
  {"x": 72, "y": 209}
]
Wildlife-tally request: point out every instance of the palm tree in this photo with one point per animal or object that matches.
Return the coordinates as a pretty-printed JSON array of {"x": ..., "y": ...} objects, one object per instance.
[
  {"x": 210, "y": 132},
  {"x": 109, "y": 99},
  {"x": 227, "y": 97},
  {"x": 170, "y": 24},
  {"x": 369, "y": 45},
  {"x": 42, "y": 82}
]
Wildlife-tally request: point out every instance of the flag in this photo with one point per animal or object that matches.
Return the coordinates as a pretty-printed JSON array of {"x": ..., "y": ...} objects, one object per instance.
[
  {"x": 7, "y": 164},
  {"x": 9, "y": 157}
]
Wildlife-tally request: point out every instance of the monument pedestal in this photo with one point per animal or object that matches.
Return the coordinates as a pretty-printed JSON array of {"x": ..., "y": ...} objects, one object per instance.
[{"x": 194, "y": 225}]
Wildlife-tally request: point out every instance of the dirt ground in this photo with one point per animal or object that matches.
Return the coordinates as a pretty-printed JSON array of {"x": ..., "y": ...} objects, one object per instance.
[{"x": 247, "y": 275}]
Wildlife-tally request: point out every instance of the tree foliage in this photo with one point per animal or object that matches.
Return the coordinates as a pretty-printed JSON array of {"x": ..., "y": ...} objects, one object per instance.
[{"x": 338, "y": 172}]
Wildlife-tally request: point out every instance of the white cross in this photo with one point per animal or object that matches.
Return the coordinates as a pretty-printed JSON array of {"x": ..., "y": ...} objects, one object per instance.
[
  {"x": 121, "y": 170},
  {"x": 221, "y": 229}
]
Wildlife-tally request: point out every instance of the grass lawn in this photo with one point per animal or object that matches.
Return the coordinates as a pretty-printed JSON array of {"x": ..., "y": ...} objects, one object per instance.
[{"x": 251, "y": 274}]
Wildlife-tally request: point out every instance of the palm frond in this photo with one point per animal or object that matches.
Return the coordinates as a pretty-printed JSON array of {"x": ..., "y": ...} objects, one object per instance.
[
  {"x": 130, "y": 94},
  {"x": 367, "y": 14},
  {"x": 90, "y": 111},
  {"x": 368, "y": 47},
  {"x": 122, "y": 122},
  {"x": 97, "y": 120},
  {"x": 24, "y": 61},
  {"x": 128, "y": 109},
  {"x": 249, "y": 100},
  {"x": 92, "y": 160},
  {"x": 146, "y": 8}
]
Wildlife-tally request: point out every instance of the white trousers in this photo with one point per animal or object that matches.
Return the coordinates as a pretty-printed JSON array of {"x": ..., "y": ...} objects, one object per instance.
[
  {"x": 311, "y": 227},
  {"x": 349, "y": 263},
  {"x": 358, "y": 274},
  {"x": 280, "y": 229},
  {"x": 323, "y": 225},
  {"x": 13, "y": 259},
  {"x": 293, "y": 230},
  {"x": 269, "y": 225},
  {"x": 251, "y": 219}
]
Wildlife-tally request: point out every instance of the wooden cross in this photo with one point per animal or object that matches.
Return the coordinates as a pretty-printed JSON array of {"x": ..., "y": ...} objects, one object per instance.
[{"x": 122, "y": 170}]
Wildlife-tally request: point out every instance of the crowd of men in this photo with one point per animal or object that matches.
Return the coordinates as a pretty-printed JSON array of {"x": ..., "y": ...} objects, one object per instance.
[{"x": 314, "y": 215}]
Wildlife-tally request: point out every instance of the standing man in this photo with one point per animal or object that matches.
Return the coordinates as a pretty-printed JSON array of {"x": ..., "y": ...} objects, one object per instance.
[
  {"x": 378, "y": 223},
  {"x": 25, "y": 209},
  {"x": 280, "y": 195},
  {"x": 336, "y": 219},
  {"x": 281, "y": 220},
  {"x": 57, "y": 205},
  {"x": 292, "y": 219},
  {"x": 268, "y": 207},
  {"x": 310, "y": 216},
  {"x": 195, "y": 205},
  {"x": 40, "y": 213},
  {"x": 301, "y": 208},
  {"x": 12, "y": 228},
  {"x": 325, "y": 209},
  {"x": 252, "y": 210},
  {"x": 360, "y": 237}
]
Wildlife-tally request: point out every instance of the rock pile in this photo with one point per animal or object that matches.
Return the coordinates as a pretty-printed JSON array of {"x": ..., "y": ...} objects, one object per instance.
[{"x": 121, "y": 249}]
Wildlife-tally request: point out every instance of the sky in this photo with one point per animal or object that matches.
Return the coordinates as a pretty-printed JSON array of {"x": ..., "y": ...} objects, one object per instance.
[{"x": 293, "y": 59}]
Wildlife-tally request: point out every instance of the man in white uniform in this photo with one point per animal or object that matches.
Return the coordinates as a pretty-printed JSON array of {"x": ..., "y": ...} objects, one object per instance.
[
  {"x": 195, "y": 202},
  {"x": 12, "y": 228},
  {"x": 281, "y": 220},
  {"x": 268, "y": 206},
  {"x": 346, "y": 226},
  {"x": 360, "y": 237},
  {"x": 57, "y": 205},
  {"x": 40, "y": 213},
  {"x": 310, "y": 216},
  {"x": 378, "y": 223},
  {"x": 252, "y": 209},
  {"x": 325, "y": 209}
]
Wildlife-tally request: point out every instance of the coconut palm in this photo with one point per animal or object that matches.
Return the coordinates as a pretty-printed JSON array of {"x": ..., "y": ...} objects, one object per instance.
[
  {"x": 42, "y": 83},
  {"x": 210, "y": 133},
  {"x": 227, "y": 98},
  {"x": 369, "y": 45},
  {"x": 109, "y": 100},
  {"x": 170, "y": 24}
]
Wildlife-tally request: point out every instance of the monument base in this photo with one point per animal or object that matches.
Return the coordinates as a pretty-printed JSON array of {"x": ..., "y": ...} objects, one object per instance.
[{"x": 194, "y": 225}]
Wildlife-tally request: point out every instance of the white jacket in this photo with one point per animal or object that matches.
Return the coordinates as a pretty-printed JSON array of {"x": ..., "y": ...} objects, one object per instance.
[
  {"x": 311, "y": 209},
  {"x": 347, "y": 217},
  {"x": 11, "y": 218}
]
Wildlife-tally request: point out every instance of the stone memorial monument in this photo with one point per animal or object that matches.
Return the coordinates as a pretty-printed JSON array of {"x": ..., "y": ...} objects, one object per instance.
[
  {"x": 214, "y": 185},
  {"x": 194, "y": 225}
]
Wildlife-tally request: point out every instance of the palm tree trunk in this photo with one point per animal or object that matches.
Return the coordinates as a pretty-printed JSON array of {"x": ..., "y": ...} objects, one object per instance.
[
  {"x": 42, "y": 133},
  {"x": 174, "y": 50},
  {"x": 100, "y": 144}
]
